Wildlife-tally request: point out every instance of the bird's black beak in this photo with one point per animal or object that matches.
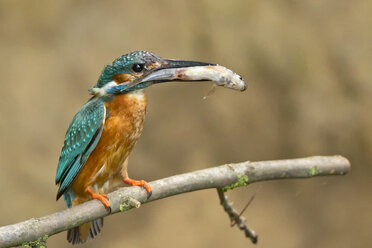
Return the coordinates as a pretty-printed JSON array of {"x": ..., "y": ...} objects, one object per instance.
[
  {"x": 168, "y": 71},
  {"x": 168, "y": 63}
]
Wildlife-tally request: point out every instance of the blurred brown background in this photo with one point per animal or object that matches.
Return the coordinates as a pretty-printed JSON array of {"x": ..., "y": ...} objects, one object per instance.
[{"x": 308, "y": 65}]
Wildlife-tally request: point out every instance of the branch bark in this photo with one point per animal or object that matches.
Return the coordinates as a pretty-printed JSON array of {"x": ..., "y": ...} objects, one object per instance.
[{"x": 226, "y": 176}]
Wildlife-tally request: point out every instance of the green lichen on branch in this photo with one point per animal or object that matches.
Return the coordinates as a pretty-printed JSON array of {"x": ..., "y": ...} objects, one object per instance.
[
  {"x": 129, "y": 203},
  {"x": 39, "y": 243},
  {"x": 124, "y": 207},
  {"x": 313, "y": 171},
  {"x": 242, "y": 181}
]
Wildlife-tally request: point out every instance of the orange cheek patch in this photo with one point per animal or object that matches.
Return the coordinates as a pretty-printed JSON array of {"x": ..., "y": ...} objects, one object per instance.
[{"x": 123, "y": 77}]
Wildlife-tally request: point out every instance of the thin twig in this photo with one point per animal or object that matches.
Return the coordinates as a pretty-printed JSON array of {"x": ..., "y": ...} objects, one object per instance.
[
  {"x": 235, "y": 217},
  {"x": 218, "y": 177},
  {"x": 245, "y": 208}
]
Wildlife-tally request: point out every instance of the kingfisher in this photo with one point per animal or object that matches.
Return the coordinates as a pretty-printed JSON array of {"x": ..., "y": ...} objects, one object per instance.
[{"x": 102, "y": 134}]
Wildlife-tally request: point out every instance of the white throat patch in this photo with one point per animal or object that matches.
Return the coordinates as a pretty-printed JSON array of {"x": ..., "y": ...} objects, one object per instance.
[{"x": 103, "y": 91}]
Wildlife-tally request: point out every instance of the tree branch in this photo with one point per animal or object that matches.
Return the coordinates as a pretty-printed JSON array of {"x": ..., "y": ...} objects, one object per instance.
[
  {"x": 227, "y": 176},
  {"x": 235, "y": 217}
]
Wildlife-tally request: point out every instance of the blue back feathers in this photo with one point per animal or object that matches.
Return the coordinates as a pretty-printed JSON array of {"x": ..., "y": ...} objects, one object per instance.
[{"x": 81, "y": 138}]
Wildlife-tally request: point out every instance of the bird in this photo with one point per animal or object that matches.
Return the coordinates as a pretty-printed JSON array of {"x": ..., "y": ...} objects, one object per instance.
[{"x": 102, "y": 134}]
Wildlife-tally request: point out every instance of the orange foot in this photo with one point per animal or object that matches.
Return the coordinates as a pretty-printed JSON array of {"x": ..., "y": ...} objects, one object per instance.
[
  {"x": 141, "y": 183},
  {"x": 102, "y": 198}
]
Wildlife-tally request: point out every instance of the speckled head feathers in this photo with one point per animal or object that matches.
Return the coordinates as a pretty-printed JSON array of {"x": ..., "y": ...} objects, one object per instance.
[{"x": 124, "y": 64}]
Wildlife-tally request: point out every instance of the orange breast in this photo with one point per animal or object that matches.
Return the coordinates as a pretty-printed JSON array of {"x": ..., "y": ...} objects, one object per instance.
[{"x": 121, "y": 130}]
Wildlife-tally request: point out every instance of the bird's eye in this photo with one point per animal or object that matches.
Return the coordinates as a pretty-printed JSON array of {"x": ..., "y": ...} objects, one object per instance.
[{"x": 138, "y": 67}]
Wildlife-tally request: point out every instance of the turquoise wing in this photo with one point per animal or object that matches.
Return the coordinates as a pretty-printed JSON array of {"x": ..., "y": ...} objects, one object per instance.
[{"x": 81, "y": 138}]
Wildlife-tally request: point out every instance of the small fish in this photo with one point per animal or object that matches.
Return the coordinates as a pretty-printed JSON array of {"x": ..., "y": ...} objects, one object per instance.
[{"x": 216, "y": 73}]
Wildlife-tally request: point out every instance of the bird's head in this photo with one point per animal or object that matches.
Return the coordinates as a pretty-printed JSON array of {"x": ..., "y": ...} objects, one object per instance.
[{"x": 136, "y": 70}]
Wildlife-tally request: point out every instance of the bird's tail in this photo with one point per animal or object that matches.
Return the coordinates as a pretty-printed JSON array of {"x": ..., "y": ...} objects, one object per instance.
[{"x": 80, "y": 234}]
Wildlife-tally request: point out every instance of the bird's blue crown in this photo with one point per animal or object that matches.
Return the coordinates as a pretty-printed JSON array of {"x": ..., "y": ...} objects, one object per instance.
[{"x": 124, "y": 64}]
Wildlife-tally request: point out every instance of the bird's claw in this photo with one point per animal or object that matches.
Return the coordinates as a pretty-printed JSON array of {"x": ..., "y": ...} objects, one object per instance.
[
  {"x": 141, "y": 183},
  {"x": 101, "y": 197},
  {"x": 149, "y": 194}
]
